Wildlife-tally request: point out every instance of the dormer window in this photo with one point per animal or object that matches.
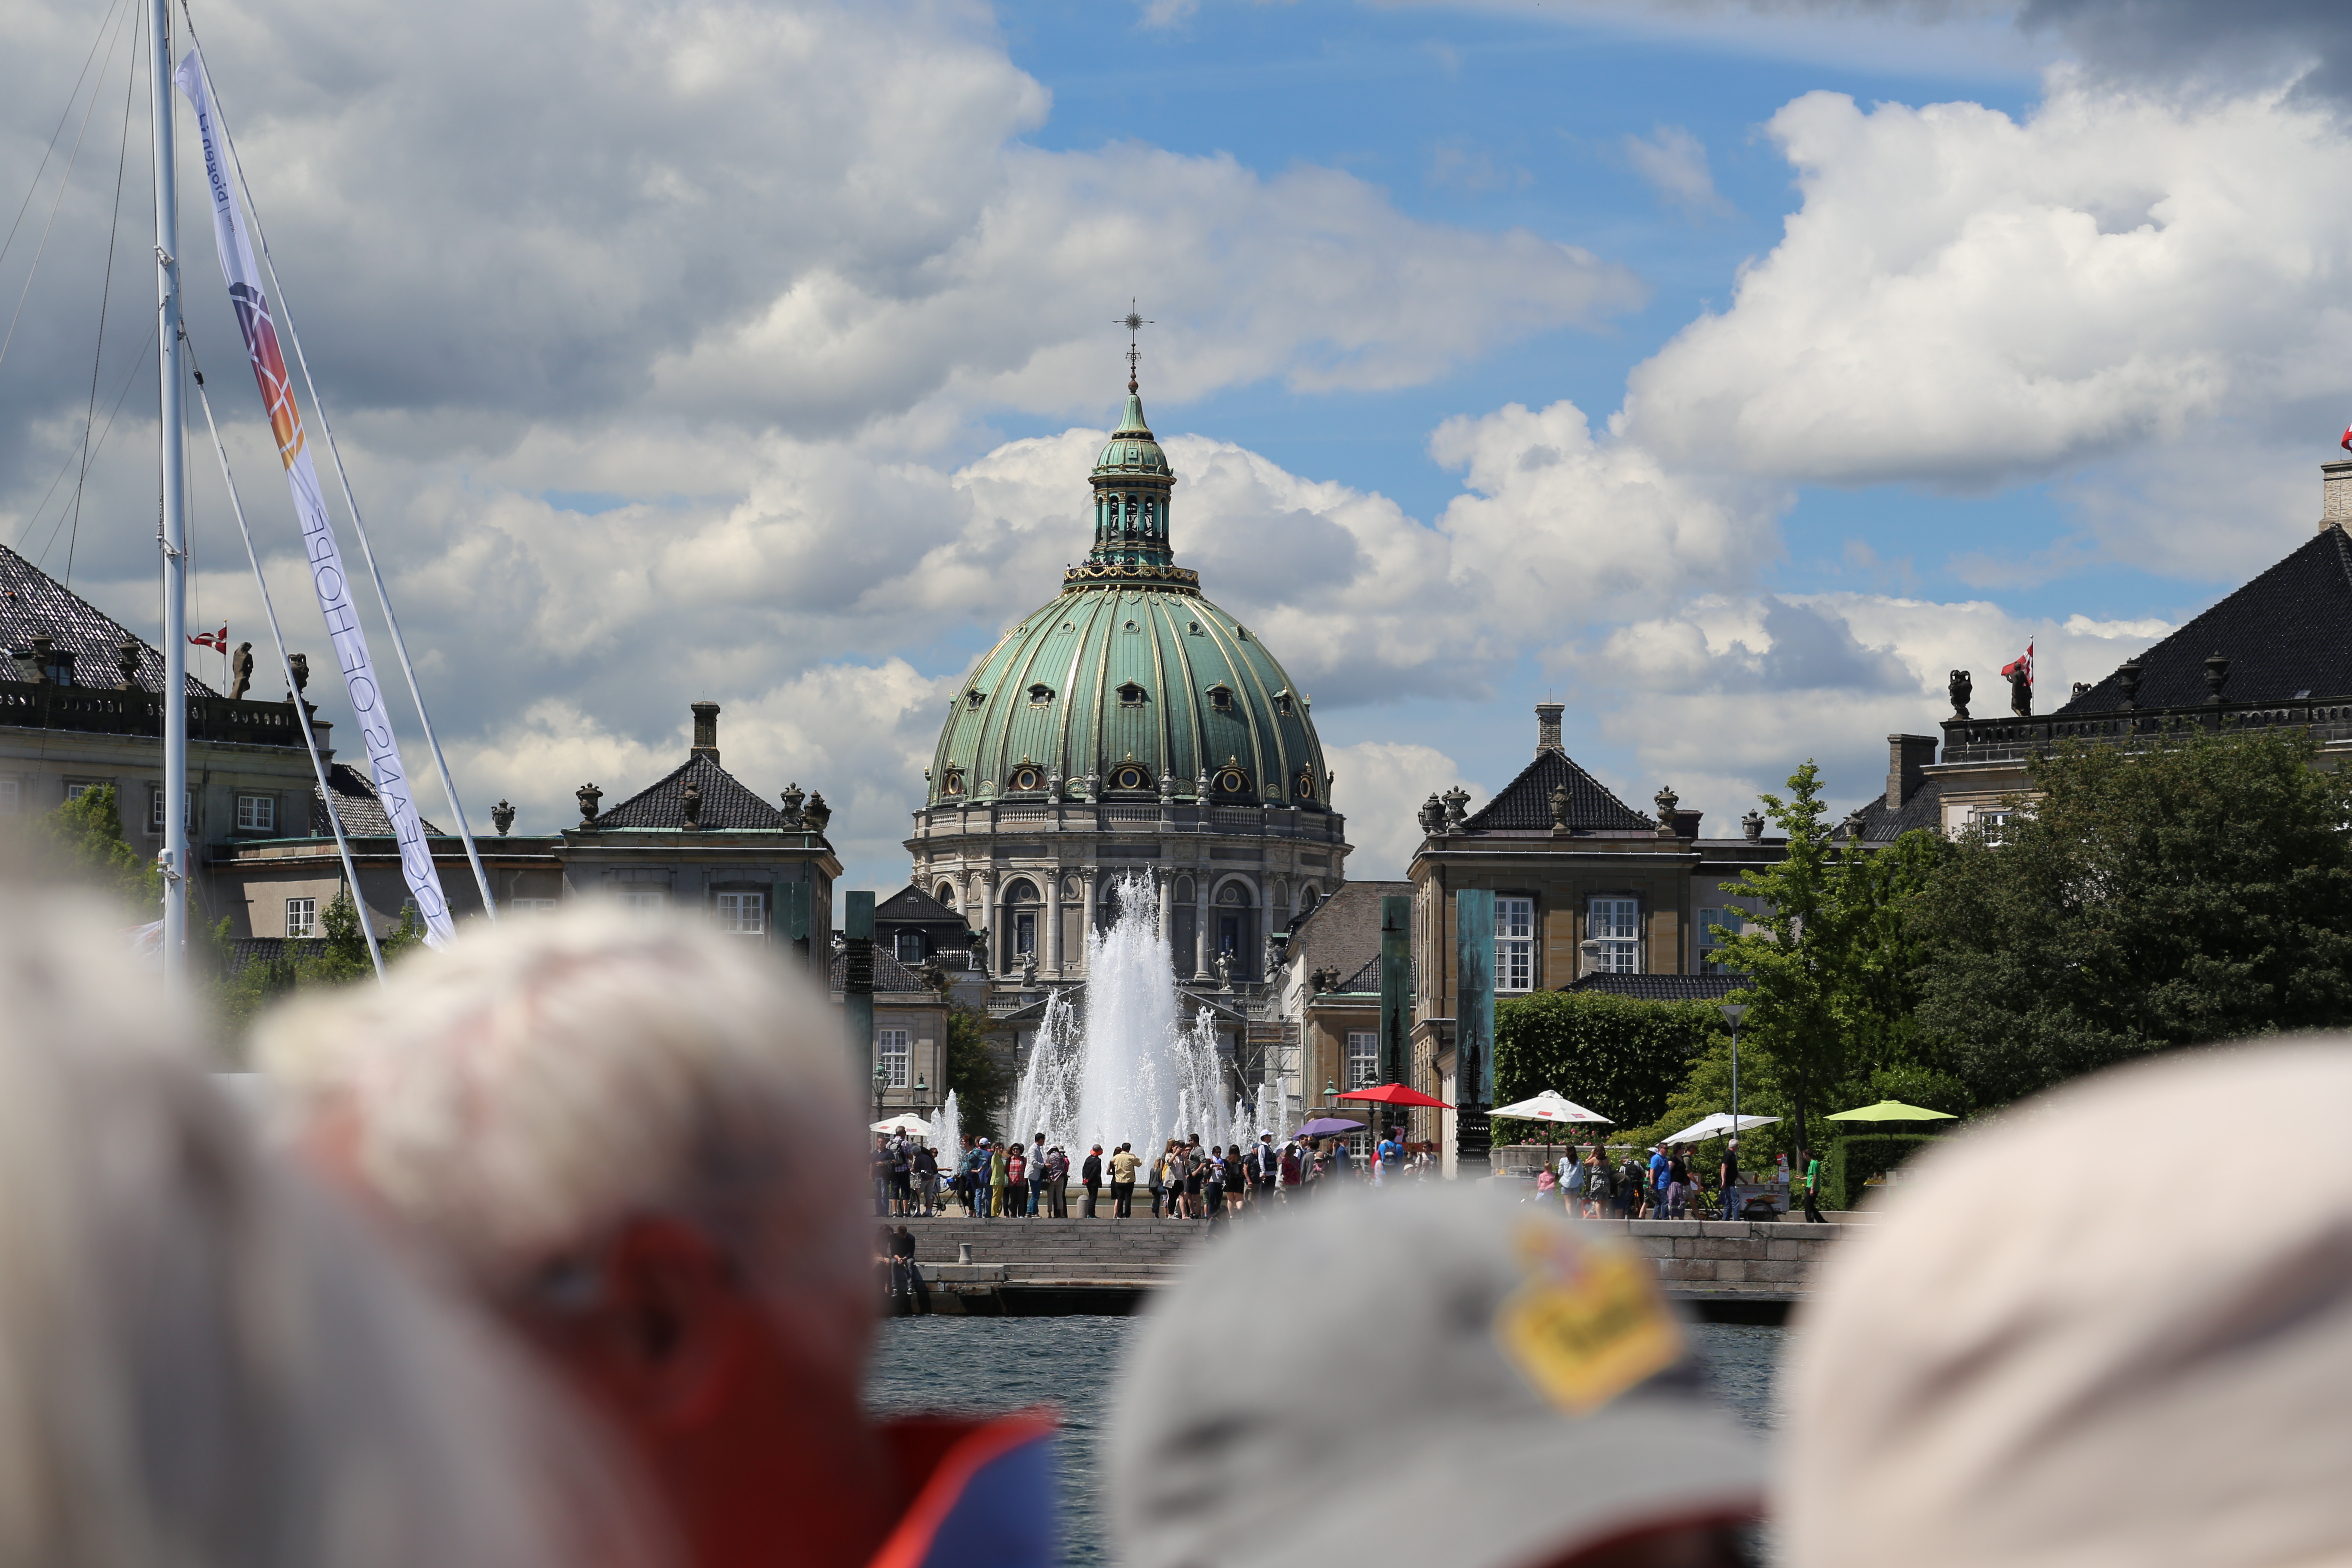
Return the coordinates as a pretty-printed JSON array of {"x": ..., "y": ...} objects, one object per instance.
[
  {"x": 1130, "y": 776},
  {"x": 974, "y": 698},
  {"x": 1231, "y": 781},
  {"x": 953, "y": 782},
  {"x": 1306, "y": 788},
  {"x": 1040, "y": 694},
  {"x": 1026, "y": 778},
  {"x": 1282, "y": 703},
  {"x": 1221, "y": 698},
  {"x": 1194, "y": 628},
  {"x": 1130, "y": 695}
]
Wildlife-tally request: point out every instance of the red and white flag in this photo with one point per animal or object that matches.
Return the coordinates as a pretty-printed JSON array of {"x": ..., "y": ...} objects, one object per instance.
[
  {"x": 2022, "y": 665},
  {"x": 218, "y": 640},
  {"x": 2346, "y": 442}
]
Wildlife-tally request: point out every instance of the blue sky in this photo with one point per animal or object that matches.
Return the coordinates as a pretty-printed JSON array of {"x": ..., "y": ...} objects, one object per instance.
[{"x": 1591, "y": 348}]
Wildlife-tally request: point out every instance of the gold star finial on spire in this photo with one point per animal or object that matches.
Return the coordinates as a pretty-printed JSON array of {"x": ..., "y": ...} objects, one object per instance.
[{"x": 1134, "y": 324}]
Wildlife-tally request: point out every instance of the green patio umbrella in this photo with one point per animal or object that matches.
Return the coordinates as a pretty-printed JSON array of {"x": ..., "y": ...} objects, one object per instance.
[{"x": 1891, "y": 1110}]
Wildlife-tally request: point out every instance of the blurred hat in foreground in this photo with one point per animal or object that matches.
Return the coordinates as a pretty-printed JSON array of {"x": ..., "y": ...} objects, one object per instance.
[
  {"x": 1435, "y": 1374},
  {"x": 2065, "y": 1344}
]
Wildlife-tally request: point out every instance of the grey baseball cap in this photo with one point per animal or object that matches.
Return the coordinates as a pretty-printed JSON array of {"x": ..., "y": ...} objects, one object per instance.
[{"x": 1439, "y": 1373}]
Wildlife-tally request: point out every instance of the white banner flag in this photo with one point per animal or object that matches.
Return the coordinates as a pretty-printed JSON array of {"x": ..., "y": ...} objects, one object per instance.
[{"x": 327, "y": 575}]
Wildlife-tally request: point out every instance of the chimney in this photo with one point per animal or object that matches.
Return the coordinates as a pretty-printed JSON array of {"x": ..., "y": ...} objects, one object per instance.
[
  {"x": 1906, "y": 755},
  {"x": 1548, "y": 721},
  {"x": 2334, "y": 495},
  {"x": 706, "y": 730}
]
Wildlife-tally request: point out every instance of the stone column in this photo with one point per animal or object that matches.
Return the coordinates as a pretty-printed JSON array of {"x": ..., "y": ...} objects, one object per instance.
[
  {"x": 1204, "y": 938},
  {"x": 1085, "y": 911},
  {"x": 984, "y": 894},
  {"x": 1054, "y": 920},
  {"x": 1167, "y": 896}
]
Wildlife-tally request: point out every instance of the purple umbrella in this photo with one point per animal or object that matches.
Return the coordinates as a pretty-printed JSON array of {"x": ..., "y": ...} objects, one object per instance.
[{"x": 1325, "y": 1126}]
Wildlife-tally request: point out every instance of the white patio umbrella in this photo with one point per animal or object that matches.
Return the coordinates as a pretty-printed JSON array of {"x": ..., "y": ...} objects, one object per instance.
[
  {"x": 917, "y": 1127},
  {"x": 1716, "y": 1126},
  {"x": 1550, "y": 1106}
]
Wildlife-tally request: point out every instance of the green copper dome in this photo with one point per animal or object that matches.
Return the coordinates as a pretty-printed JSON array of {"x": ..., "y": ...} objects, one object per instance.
[{"x": 1131, "y": 676}]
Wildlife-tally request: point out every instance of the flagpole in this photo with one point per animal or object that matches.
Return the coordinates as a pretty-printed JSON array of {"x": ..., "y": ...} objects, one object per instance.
[{"x": 172, "y": 538}]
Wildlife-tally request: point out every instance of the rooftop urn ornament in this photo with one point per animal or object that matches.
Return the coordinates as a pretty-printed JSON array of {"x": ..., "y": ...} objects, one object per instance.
[
  {"x": 2217, "y": 675},
  {"x": 817, "y": 813},
  {"x": 1458, "y": 809},
  {"x": 692, "y": 800},
  {"x": 1665, "y": 800},
  {"x": 1561, "y": 801},
  {"x": 1325, "y": 979},
  {"x": 1433, "y": 815},
  {"x": 1201, "y": 787},
  {"x": 1167, "y": 789},
  {"x": 1962, "y": 689},
  {"x": 240, "y": 665},
  {"x": 792, "y": 798},
  {"x": 1753, "y": 824},
  {"x": 126, "y": 660},
  {"x": 588, "y": 795},
  {"x": 2127, "y": 679},
  {"x": 502, "y": 817}
]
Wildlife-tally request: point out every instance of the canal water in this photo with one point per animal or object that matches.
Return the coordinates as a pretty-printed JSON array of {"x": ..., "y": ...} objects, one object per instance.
[{"x": 995, "y": 1364}]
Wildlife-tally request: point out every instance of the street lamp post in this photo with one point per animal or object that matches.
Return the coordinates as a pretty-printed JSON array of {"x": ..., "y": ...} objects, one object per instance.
[
  {"x": 1733, "y": 1012},
  {"x": 881, "y": 1082}
]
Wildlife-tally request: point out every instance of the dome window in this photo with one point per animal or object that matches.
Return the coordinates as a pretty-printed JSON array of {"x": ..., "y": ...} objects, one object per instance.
[
  {"x": 1305, "y": 790},
  {"x": 974, "y": 698},
  {"x": 1231, "y": 781},
  {"x": 1129, "y": 775},
  {"x": 953, "y": 782},
  {"x": 1221, "y": 698},
  {"x": 1133, "y": 627},
  {"x": 1130, "y": 695},
  {"x": 1196, "y": 628},
  {"x": 1282, "y": 703},
  {"x": 1026, "y": 778},
  {"x": 1040, "y": 694}
]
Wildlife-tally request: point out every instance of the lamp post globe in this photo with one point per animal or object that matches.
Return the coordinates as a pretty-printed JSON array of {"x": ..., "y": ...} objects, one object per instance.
[{"x": 1733, "y": 1012}]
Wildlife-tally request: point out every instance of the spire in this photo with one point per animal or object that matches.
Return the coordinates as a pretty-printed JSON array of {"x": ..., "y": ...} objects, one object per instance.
[
  {"x": 1132, "y": 483},
  {"x": 1134, "y": 324}
]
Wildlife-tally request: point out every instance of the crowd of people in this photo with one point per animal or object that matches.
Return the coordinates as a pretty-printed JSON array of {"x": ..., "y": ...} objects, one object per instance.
[
  {"x": 1011, "y": 1179},
  {"x": 1670, "y": 1182},
  {"x": 550, "y": 1252}
]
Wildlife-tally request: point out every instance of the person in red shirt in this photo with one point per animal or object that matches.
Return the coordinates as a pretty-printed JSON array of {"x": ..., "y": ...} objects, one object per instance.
[{"x": 639, "y": 1145}]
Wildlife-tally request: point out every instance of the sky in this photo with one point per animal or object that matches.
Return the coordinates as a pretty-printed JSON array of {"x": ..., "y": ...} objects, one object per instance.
[{"x": 1730, "y": 372}]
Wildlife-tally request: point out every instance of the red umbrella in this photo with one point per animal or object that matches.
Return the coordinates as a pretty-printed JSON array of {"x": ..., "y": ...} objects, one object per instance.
[{"x": 1395, "y": 1094}]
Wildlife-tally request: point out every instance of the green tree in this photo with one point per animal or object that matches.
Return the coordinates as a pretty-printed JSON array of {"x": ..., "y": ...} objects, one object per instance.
[
  {"x": 86, "y": 835},
  {"x": 2194, "y": 890},
  {"x": 980, "y": 1082},
  {"x": 1610, "y": 1054},
  {"x": 1830, "y": 959}
]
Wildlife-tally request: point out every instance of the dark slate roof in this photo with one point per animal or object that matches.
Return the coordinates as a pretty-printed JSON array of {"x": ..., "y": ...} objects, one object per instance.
[
  {"x": 34, "y": 604},
  {"x": 1526, "y": 801},
  {"x": 889, "y": 974},
  {"x": 911, "y": 905},
  {"x": 356, "y": 802},
  {"x": 249, "y": 950},
  {"x": 2288, "y": 631},
  {"x": 1343, "y": 930},
  {"x": 1661, "y": 987},
  {"x": 727, "y": 803},
  {"x": 1924, "y": 807}
]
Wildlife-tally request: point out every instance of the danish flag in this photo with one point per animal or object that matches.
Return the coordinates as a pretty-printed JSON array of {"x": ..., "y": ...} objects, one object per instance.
[
  {"x": 2023, "y": 663},
  {"x": 2346, "y": 442},
  {"x": 217, "y": 641}
]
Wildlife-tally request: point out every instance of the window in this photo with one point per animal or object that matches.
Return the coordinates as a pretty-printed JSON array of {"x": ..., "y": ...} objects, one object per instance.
[
  {"x": 532, "y": 906},
  {"x": 644, "y": 903},
  {"x": 1363, "y": 1059},
  {"x": 910, "y": 947},
  {"x": 1616, "y": 925},
  {"x": 1040, "y": 695},
  {"x": 257, "y": 814},
  {"x": 1992, "y": 821},
  {"x": 1515, "y": 945},
  {"x": 1130, "y": 776},
  {"x": 12, "y": 797},
  {"x": 77, "y": 789},
  {"x": 301, "y": 917},
  {"x": 743, "y": 914},
  {"x": 1706, "y": 941},
  {"x": 155, "y": 809},
  {"x": 895, "y": 1055},
  {"x": 1221, "y": 698},
  {"x": 1130, "y": 695}
]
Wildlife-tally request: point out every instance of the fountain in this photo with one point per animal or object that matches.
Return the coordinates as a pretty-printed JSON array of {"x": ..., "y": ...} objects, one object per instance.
[
  {"x": 944, "y": 1127},
  {"x": 1128, "y": 1070}
]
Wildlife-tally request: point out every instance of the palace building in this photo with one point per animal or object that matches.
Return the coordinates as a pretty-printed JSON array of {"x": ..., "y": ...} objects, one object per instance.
[{"x": 1128, "y": 726}]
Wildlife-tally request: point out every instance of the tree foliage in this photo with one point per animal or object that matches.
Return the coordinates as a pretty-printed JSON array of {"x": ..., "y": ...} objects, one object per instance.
[
  {"x": 1830, "y": 959},
  {"x": 980, "y": 1082},
  {"x": 85, "y": 835},
  {"x": 1610, "y": 1054},
  {"x": 2196, "y": 890}
]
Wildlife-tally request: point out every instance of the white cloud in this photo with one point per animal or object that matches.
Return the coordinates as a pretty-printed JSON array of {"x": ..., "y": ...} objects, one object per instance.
[
  {"x": 1968, "y": 300},
  {"x": 1674, "y": 162},
  {"x": 1381, "y": 785}
]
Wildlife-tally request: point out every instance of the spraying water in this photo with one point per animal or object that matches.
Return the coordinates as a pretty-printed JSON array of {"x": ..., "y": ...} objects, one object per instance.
[
  {"x": 1128, "y": 1070},
  {"x": 945, "y": 1127}
]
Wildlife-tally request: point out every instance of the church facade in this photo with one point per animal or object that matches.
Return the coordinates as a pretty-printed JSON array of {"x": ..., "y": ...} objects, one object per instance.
[{"x": 1129, "y": 734}]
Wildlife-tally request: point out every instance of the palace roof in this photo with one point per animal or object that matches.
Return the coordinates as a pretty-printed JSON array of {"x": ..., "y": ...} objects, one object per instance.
[
  {"x": 1526, "y": 801},
  {"x": 727, "y": 803},
  {"x": 34, "y": 604}
]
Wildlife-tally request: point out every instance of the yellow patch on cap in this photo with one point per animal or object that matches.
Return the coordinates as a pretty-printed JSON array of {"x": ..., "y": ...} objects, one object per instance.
[{"x": 1588, "y": 1323}]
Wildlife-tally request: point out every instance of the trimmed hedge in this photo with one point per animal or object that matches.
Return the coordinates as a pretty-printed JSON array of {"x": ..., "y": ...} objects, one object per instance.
[
  {"x": 1609, "y": 1054},
  {"x": 1854, "y": 1160}
]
